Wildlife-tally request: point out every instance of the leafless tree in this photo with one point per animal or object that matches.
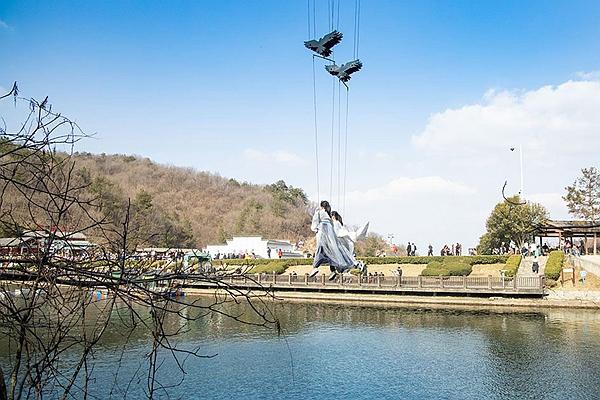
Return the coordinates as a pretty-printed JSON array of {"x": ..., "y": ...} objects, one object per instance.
[{"x": 50, "y": 324}]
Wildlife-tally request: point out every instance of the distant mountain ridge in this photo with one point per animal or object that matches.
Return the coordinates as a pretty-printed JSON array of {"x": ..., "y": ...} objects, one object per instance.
[{"x": 196, "y": 208}]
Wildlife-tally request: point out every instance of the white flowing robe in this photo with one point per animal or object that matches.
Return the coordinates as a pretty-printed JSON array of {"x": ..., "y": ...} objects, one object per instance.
[
  {"x": 347, "y": 237},
  {"x": 330, "y": 250}
]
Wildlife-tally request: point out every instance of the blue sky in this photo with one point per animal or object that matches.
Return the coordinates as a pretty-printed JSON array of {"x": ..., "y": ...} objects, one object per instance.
[{"x": 226, "y": 86}]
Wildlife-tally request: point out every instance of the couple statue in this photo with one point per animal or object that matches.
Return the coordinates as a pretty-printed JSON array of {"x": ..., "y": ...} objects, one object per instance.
[{"x": 335, "y": 242}]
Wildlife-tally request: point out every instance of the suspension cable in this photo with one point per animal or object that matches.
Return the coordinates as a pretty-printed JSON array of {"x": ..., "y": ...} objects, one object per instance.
[
  {"x": 346, "y": 150},
  {"x": 332, "y": 14},
  {"x": 357, "y": 29},
  {"x": 328, "y": 14},
  {"x": 316, "y": 127},
  {"x": 332, "y": 138},
  {"x": 314, "y": 18},
  {"x": 337, "y": 25},
  {"x": 354, "y": 33},
  {"x": 339, "y": 152},
  {"x": 308, "y": 19}
]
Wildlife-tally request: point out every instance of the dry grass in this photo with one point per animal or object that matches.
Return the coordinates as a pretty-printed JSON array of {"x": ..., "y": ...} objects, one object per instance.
[
  {"x": 487, "y": 270},
  {"x": 592, "y": 282}
]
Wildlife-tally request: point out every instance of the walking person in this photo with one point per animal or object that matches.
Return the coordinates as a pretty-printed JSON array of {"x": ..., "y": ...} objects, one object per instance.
[
  {"x": 430, "y": 251},
  {"x": 409, "y": 249},
  {"x": 329, "y": 249},
  {"x": 535, "y": 266}
]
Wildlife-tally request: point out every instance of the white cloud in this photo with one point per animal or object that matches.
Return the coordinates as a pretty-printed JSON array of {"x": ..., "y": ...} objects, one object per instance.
[
  {"x": 4, "y": 25},
  {"x": 551, "y": 120},
  {"x": 426, "y": 209},
  {"x": 405, "y": 186},
  {"x": 588, "y": 75},
  {"x": 255, "y": 155},
  {"x": 453, "y": 176},
  {"x": 278, "y": 156},
  {"x": 380, "y": 155},
  {"x": 553, "y": 202}
]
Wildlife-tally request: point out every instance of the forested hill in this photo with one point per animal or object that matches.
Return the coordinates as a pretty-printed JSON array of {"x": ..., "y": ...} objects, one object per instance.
[{"x": 183, "y": 207}]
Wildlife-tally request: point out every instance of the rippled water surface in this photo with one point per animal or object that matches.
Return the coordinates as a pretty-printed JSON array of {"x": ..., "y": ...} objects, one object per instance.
[{"x": 333, "y": 351}]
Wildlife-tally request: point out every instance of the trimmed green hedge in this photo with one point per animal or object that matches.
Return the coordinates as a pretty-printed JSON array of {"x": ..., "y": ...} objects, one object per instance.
[
  {"x": 447, "y": 268},
  {"x": 269, "y": 268},
  {"x": 449, "y": 265},
  {"x": 288, "y": 262},
  {"x": 435, "y": 268},
  {"x": 471, "y": 260},
  {"x": 554, "y": 264},
  {"x": 458, "y": 268},
  {"x": 512, "y": 265}
]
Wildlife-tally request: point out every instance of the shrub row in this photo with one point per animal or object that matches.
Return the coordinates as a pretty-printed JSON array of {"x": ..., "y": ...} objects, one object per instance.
[
  {"x": 512, "y": 264},
  {"x": 276, "y": 266},
  {"x": 435, "y": 268},
  {"x": 262, "y": 261},
  {"x": 554, "y": 264},
  {"x": 471, "y": 260},
  {"x": 456, "y": 263},
  {"x": 452, "y": 265},
  {"x": 447, "y": 268},
  {"x": 286, "y": 262}
]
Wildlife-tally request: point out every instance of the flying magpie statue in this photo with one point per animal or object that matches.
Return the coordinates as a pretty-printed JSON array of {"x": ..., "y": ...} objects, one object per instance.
[
  {"x": 324, "y": 45},
  {"x": 344, "y": 71}
]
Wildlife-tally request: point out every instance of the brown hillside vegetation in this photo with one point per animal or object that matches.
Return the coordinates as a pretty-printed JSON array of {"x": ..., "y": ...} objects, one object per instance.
[{"x": 182, "y": 207}]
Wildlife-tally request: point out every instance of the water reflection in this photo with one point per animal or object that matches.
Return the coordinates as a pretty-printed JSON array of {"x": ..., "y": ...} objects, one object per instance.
[{"x": 340, "y": 351}]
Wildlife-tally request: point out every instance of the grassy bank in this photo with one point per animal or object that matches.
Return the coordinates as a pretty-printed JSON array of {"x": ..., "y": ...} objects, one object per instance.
[{"x": 448, "y": 265}]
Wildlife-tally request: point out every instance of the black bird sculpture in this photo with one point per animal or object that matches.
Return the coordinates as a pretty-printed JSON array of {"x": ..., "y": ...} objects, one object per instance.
[
  {"x": 344, "y": 71},
  {"x": 324, "y": 45}
]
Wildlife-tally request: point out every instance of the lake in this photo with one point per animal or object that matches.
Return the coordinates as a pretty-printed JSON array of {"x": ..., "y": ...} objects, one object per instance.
[{"x": 330, "y": 351}]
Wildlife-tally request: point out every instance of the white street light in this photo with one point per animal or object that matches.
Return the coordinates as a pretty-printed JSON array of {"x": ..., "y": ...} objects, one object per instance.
[{"x": 521, "y": 192}]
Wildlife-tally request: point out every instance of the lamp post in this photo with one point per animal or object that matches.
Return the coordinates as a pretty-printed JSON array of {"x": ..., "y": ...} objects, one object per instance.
[{"x": 521, "y": 192}]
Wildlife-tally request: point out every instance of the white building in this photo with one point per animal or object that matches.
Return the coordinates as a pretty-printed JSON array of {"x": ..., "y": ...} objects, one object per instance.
[{"x": 256, "y": 244}]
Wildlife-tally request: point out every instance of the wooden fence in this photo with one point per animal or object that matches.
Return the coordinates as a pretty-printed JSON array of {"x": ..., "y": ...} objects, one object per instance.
[{"x": 522, "y": 285}]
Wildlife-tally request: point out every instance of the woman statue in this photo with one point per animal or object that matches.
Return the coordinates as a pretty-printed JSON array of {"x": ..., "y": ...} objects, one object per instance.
[
  {"x": 347, "y": 236},
  {"x": 329, "y": 249}
]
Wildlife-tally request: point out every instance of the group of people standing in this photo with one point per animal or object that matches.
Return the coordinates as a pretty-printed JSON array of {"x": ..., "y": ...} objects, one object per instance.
[
  {"x": 279, "y": 252},
  {"x": 455, "y": 250},
  {"x": 335, "y": 242},
  {"x": 411, "y": 249}
]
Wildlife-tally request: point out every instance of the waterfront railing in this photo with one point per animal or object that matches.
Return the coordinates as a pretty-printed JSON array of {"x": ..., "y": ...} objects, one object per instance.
[
  {"x": 464, "y": 284},
  {"x": 526, "y": 285}
]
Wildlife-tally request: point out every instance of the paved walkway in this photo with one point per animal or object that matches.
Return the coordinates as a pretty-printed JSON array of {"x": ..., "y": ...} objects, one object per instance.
[{"x": 527, "y": 263}]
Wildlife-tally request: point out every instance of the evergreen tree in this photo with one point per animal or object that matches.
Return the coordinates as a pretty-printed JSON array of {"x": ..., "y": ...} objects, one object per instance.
[
  {"x": 511, "y": 222},
  {"x": 583, "y": 197}
]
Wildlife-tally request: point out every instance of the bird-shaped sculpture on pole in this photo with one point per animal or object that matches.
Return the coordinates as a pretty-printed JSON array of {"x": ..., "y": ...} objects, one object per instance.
[
  {"x": 324, "y": 45},
  {"x": 344, "y": 71}
]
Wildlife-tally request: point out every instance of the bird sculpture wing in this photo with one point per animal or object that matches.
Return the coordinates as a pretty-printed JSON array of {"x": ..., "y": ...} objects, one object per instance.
[
  {"x": 312, "y": 45},
  {"x": 331, "y": 39},
  {"x": 352, "y": 67},
  {"x": 348, "y": 69}
]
